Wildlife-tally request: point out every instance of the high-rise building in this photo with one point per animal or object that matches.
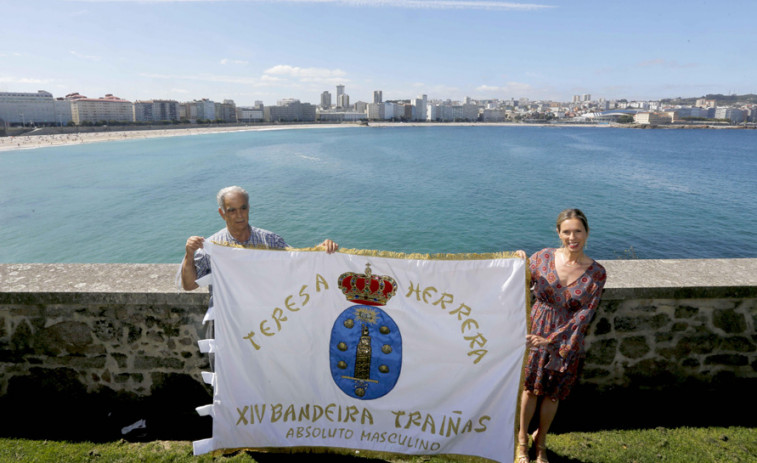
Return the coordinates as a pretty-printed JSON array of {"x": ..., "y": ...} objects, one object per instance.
[
  {"x": 325, "y": 100},
  {"x": 377, "y": 96},
  {"x": 342, "y": 99},
  {"x": 419, "y": 108}
]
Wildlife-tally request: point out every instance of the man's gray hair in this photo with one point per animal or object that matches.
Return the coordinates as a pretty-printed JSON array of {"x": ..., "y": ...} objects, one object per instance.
[{"x": 220, "y": 197}]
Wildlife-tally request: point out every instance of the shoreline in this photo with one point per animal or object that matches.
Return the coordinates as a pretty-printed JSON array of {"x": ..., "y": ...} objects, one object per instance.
[
  {"x": 22, "y": 142},
  {"x": 27, "y": 141}
]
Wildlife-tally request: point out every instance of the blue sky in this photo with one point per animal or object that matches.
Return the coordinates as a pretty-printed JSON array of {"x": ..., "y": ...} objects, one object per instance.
[{"x": 249, "y": 50}]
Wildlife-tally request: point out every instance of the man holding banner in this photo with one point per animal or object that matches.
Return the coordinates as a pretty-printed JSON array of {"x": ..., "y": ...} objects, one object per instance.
[{"x": 234, "y": 208}]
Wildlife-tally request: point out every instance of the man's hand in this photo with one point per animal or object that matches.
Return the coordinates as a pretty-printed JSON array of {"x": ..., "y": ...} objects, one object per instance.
[
  {"x": 330, "y": 246},
  {"x": 188, "y": 272},
  {"x": 193, "y": 244}
]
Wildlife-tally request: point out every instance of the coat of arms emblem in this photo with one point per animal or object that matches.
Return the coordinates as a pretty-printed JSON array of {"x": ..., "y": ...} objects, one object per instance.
[{"x": 365, "y": 350}]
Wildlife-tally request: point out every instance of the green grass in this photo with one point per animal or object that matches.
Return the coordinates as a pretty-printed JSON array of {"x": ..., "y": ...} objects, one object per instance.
[{"x": 685, "y": 445}]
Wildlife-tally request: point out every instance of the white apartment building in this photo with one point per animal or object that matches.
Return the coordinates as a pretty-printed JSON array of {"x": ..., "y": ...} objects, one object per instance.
[
  {"x": 105, "y": 109},
  {"x": 494, "y": 115},
  {"x": 419, "y": 108},
  {"x": 249, "y": 114},
  {"x": 33, "y": 108},
  {"x": 290, "y": 110},
  {"x": 732, "y": 114},
  {"x": 376, "y": 111},
  {"x": 652, "y": 118},
  {"x": 157, "y": 110},
  {"x": 226, "y": 111}
]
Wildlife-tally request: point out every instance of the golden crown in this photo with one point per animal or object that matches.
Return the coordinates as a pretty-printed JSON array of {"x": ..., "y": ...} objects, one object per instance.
[{"x": 367, "y": 288}]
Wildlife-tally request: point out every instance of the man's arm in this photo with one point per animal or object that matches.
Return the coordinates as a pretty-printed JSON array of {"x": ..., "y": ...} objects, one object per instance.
[{"x": 188, "y": 271}]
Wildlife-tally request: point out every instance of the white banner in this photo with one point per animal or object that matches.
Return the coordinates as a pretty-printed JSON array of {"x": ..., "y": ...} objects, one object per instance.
[{"x": 427, "y": 360}]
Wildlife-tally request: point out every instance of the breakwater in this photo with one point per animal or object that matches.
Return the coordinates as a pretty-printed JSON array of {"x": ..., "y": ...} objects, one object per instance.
[{"x": 92, "y": 348}]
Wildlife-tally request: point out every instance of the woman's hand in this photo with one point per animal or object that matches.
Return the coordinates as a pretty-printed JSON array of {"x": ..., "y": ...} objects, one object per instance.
[
  {"x": 533, "y": 340},
  {"x": 521, "y": 254}
]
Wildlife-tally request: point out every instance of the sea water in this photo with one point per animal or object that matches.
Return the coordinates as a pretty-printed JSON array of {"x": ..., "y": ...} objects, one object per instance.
[{"x": 648, "y": 194}]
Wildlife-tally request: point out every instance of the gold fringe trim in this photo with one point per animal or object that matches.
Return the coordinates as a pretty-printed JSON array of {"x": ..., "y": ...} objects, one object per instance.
[
  {"x": 387, "y": 254},
  {"x": 246, "y": 246},
  {"x": 367, "y": 454},
  {"x": 419, "y": 256},
  {"x": 516, "y": 428}
]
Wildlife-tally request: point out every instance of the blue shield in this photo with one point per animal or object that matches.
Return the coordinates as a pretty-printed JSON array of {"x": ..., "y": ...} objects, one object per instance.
[{"x": 365, "y": 352}]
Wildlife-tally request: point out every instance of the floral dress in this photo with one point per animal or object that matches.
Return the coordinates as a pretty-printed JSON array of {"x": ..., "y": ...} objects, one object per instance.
[{"x": 562, "y": 315}]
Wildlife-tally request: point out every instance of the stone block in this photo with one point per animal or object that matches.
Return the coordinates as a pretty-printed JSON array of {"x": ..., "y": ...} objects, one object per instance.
[
  {"x": 602, "y": 326},
  {"x": 641, "y": 323},
  {"x": 21, "y": 339},
  {"x": 634, "y": 347},
  {"x": 727, "y": 359},
  {"x": 729, "y": 321},
  {"x": 666, "y": 353},
  {"x": 697, "y": 344},
  {"x": 134, "y": 333},
  {"x": 151, "y": 363},
  {"x": 609, "y": 306},
  {"x": 64, "y": 337},
  {"x": 738, "y": 344},
  {"x": 82, "y": 362},
  {"x": 686, "y": 311},
  {"x": 653, "y": 373},
  {"x": 602, "y": 352}
]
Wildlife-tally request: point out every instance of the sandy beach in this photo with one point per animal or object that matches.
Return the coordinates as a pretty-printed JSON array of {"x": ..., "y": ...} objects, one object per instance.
[{"x": 41, "y": 141}]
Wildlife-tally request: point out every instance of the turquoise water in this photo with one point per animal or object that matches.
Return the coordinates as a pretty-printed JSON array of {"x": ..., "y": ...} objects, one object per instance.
[{"x": 647, "y": 193}]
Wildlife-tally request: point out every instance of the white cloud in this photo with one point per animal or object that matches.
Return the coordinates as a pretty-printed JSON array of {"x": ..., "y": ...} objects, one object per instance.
[
  {"x": 23, "y": 80},
  {"x": 83, "y": 56},
  {"x": 306, "y": 75},
  {"x": 519, "y": 88}
]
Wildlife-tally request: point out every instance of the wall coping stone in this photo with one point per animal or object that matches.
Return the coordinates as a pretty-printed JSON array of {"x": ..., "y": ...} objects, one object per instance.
[{"x": 643, "y": 278}]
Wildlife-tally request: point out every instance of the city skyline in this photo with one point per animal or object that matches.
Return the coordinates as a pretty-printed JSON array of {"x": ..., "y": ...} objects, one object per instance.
[{"x": 259, "y": 50}]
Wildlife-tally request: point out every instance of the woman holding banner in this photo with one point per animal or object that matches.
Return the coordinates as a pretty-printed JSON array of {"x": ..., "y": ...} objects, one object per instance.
[{"x": 567, "y": 286}]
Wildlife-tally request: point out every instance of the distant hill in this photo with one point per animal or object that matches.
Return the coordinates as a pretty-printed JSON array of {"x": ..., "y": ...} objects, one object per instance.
[{"x": 722, "y": 100}]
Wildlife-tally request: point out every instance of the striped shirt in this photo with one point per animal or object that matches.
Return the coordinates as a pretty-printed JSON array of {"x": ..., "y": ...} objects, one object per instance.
[{"x": 258, "y": 237}]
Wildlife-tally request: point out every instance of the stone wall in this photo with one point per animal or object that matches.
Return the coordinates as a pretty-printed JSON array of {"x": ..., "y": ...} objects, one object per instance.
[{"x": 107, "y": 344}]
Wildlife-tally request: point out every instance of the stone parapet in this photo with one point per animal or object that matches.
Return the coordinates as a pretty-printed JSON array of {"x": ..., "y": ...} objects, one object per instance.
[{"x": 126, "y": 333}]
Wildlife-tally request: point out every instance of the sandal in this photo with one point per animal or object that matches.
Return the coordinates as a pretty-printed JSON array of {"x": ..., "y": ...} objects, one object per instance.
[
  {"x": 540, "y": 458},
  {"x": 539, "y": 449},
  {"x": 521, "y": 456}
]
